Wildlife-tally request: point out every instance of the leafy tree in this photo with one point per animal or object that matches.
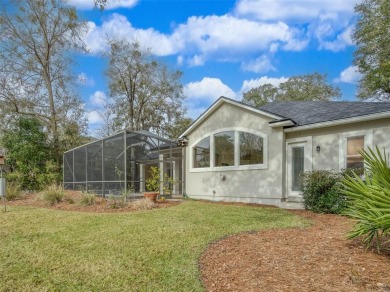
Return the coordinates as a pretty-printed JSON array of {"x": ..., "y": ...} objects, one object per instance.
[
  {"x": 29, "y": 157},
  {"x": 372, "y": 38},
  {"x": 147, "y": 95},
  {"x": 181, "y": 124},
  {"x": 36, "y": 38},
  {"x": 101, "y": 4},
  {"x": 296, "y": 88},
  {"x": 261, "y": 95}
]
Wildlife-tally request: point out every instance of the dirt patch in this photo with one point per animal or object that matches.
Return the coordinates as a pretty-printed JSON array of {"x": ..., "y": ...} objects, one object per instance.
[
  {"x": 317, "y": 258},
  {"x": 71, "y": 203}
]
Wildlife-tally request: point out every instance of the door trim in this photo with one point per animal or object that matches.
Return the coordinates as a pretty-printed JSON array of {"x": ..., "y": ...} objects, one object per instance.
[{"x": 307, "y": 143}]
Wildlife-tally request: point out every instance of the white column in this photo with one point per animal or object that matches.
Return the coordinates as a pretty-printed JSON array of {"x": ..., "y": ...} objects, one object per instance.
[
  {"x": 161, "y": 166},
  {"x": 142, "y": 177}
]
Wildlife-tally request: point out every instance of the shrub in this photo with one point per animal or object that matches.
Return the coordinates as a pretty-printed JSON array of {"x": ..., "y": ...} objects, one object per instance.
[
  {"x": 13, "y": 191},
  {"x": 369, "y": 199},
  {"x": 88, "y": 199},
  {"x": 143, "y": 204},
  {"x": 53, "y": 194},
  {"x": 153, "y": 182},
  {"x": 321, "y": 191},
  {"x": 116, "y": 202},
  {"x": 68, "y": 199}
]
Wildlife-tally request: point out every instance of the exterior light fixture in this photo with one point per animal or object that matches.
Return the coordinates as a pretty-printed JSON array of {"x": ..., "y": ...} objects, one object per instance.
[
  {"x": 318, "y": 148},
  {"x": 183, "y": 141}
]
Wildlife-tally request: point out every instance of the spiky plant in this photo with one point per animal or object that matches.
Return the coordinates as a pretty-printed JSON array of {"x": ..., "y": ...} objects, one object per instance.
[{"x": 369, "y": 198}]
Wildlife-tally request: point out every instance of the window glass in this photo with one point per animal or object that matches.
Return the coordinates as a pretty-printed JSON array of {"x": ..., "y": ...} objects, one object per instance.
[
  {"x": 354, "y": 145},
  {"x": 224, "y": 148},
  {"x": 202, "y": 153},
  {"x": 251, "y": 149},
  {"x": 298, "y": 166}
]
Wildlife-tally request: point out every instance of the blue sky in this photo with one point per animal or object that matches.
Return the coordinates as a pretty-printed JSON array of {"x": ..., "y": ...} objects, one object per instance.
[{"x": 224, "y": 47}]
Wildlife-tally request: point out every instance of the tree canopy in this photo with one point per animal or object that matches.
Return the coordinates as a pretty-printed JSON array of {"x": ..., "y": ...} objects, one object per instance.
[
  {"x": 146, "y": 94},
  {"x": 296, "y": 88},
  {"x": 36, "y": 78},
  {"x": 372, "y": 38}
]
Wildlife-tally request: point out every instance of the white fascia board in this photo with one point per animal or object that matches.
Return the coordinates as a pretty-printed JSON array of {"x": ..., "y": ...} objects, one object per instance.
[
  {"x": 371, "y": 117},
  {"x": 216, "y": 104},
  {"x": 285, "y": 123}
]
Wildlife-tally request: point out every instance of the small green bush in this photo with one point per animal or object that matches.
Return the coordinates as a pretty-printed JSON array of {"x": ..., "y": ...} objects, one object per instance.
[
  {"x": 68, "y": 199},
  {"x": 88, "y": 199},
  {"x": 53, "y": 195},
  {"x": 143, "y": 204},
  {"x": 13, "y": 191},
  {"x": 321, "y": 191},
  {"x": 117, "y": 202}
]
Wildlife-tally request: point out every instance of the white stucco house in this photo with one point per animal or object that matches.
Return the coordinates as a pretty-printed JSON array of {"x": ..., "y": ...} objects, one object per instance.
[{"x": 239, "y": 153}]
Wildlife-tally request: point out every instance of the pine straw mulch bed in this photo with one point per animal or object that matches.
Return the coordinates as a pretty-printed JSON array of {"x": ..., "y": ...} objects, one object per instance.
[
  {"x": 317, "y": 258},
  {"x": 71, "y": 203}
]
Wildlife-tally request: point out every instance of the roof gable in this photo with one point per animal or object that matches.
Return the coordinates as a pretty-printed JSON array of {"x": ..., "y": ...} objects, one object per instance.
[{"x": 223, "y": 100}]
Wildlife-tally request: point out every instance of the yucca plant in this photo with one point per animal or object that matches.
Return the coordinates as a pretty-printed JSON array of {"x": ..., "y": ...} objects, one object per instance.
[{"x": 369, "y": 199}]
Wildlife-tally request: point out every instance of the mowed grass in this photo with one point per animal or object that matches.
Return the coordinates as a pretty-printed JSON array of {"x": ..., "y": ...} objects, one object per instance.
[{"x": 158, "y": 250}]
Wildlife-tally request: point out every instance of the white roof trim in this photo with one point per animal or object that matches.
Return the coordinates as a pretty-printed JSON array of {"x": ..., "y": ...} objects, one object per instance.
[
  {"x": 216, "y": 104},
  {"x": 370, "y": 117},
  {"x": 276, "y": 124}
]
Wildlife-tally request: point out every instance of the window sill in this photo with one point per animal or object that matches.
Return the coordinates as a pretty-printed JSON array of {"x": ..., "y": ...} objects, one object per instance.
[{"x": 229, "y": 168}]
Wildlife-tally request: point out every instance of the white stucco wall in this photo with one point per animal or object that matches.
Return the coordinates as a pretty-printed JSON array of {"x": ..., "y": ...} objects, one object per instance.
[
  {"x": 250, "y": 185},
  {"x": 332, "y": 141},
  {"x": 269, "y": 184}
]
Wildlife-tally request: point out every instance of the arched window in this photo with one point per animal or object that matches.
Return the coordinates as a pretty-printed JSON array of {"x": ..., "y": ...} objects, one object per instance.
[
  {"x": 224, "y": 148},
  {"x": 230, "y": 149},
  {"x": 251, "y": 149},
  {"x": 201, "y": 152}
]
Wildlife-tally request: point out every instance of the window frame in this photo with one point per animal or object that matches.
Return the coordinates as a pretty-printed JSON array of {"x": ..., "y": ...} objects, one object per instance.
[
  {"x": 236, "y": 165},
  {"x": 368, "y": 142},
  {"x": 194, "y": 154},
  {"x": 353, "y": 155}
]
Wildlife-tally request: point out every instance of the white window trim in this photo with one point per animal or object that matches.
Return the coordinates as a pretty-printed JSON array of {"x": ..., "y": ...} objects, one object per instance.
[
  {"x": 236, "y": 165},
  {"x": 368, "y": 142}
]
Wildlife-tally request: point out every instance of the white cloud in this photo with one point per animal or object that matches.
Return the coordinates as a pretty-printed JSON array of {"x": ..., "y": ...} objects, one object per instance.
[
  {"x": 209, "y": 89},
  {"x": 201, "y": 38},
  {"x": 85, "y": 80},
  {"x": 179, "y": 60},
  {"x": 196, "y": 61},
  {"x": 252, "y": 83},
  {"x": 118, "y": 26},
  {"x": 94, "y": 118},
  {"x": 340, "y": 42},
  {"x": 254, "y": 28},
  {"x": 330, "y": 22},
  {"x": 111, "y": 4},
  {"x": 99, "y": 100},
  {"x": 260, "y": 65},
  {"x": 208, "y": 36},
  {"x": 293, "y": 10},
  {"x": 349, "y": 75},
  {"x": 201, "y": 94}
]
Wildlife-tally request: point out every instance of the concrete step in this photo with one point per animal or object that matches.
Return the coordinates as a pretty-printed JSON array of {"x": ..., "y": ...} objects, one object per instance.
[
  {"x": 294, "y": 199},
  {"x": 291, "y": 205}
]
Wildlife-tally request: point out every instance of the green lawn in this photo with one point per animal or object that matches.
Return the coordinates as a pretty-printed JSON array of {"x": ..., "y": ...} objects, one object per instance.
[{"x": 158, "y": 250}]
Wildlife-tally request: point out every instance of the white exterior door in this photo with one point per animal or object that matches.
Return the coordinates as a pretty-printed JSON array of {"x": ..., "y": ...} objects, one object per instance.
[{"x": 299, "y": 160}]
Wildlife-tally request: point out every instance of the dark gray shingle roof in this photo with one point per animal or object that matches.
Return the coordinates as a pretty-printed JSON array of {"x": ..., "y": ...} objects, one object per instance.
[{"x": 311, "y": 112}]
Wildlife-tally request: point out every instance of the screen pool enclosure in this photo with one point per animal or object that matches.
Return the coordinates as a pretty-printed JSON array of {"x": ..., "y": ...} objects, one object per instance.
[{"x": 121, "y": 164}]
